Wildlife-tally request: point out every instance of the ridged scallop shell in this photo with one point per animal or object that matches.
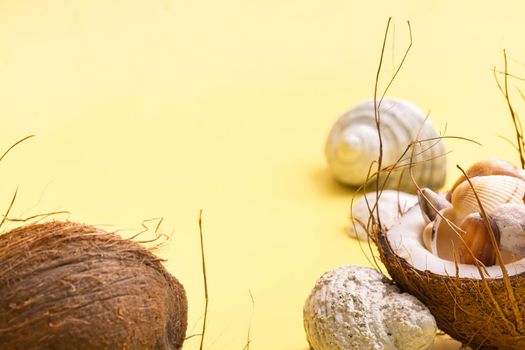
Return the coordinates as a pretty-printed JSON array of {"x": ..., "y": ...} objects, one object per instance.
[
  {"x": 493, "y": 191},
  {"x": 490, "y": 166},
  {"x": 353, "y": 144}
]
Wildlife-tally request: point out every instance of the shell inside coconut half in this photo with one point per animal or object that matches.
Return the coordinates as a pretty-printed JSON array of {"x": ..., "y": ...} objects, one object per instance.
[{"x": 483, "y": 307}]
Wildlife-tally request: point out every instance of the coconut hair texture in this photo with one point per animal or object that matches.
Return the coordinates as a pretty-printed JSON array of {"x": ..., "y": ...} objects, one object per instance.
[{"x": 65, "y": 285}]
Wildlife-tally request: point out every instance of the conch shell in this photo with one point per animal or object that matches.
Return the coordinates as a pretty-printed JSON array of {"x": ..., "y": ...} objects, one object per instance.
[{"x": 353, "y": 145}]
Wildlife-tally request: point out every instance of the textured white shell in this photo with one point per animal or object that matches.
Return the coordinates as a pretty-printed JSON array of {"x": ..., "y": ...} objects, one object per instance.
[
  {"x": 354, "y": 307},
  {"x": 392, "y": 204},
  {"x": 493, "y": 191},
  {"x": 510, "y": 219},
  {"x": 353, "y": 145}
]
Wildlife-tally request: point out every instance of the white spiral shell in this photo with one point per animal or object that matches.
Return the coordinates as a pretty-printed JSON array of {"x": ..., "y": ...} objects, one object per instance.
[{"x": 353, "y": 144}]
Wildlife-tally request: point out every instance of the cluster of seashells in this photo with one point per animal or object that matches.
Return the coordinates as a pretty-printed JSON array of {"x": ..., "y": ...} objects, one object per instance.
[{"x": 459, "y": 229}]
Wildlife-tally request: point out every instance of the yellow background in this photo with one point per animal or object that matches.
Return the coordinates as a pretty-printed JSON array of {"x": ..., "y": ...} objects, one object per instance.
[{"x": 160, "y": 108}]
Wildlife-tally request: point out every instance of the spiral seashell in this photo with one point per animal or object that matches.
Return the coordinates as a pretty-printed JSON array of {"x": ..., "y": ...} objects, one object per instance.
[
  {"x": 493, "y": 191},
  {"x": 353, "y": 145}
]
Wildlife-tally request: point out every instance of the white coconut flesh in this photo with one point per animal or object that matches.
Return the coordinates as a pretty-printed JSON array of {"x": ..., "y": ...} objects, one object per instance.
[{"x": 406, "y": 241}]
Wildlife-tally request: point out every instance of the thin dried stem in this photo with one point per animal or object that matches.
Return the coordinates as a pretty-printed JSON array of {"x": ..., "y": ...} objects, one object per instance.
[
  {"x": 515, "y": 119},
  {"x": 145, "y": 228},
  {"x": 160, "y": 238},
  {"x": 36, "y": 216},
  {"x": 377, "y": 104},
  {"x": 501, "y": 263},
  {"x": 9, "y": 208},
  {"x": 205, "y": 283},
  {"x": 510, "y": 75},
  {"x": 371, "y": 224},
  {"x": 5, "y": 218},
  {"x": 377, "y": 117},
  {"x": 248, "y": 339},
  {"x": 192, "y": 336},
  {"x": 14, "y": 145},
  {"x": 510, "y": 142}
]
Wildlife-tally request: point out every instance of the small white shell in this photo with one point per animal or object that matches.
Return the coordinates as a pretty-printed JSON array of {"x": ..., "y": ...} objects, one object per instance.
[
  {"x": 392, "y": 204},
  {"x": 353, "y": 145},
  {"x": 445, "y": 234},
  {"x": 493, "y": 191},
  {"x": 510, "y": 219}
]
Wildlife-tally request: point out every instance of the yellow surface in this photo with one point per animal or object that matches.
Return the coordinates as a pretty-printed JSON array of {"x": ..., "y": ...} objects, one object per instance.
[{"x": 160, "y": 108}]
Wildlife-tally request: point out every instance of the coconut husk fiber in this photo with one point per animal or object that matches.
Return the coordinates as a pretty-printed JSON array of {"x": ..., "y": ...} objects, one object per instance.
[
  {"x": 479, "y": 313},
  {"x": 65, "y": 285}
]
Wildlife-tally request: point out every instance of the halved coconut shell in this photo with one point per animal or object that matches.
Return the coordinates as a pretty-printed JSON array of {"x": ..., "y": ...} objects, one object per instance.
[{"x": 477, "y": 306}]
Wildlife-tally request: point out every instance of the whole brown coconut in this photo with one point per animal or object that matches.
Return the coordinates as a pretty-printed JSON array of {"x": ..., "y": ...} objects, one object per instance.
[{"x": 67, "y": 286}]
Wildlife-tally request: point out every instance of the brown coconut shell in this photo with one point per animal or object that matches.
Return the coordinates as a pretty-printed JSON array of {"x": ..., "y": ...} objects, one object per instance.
[
  {"x": 479, "y": 313},
  {"x": 68, "y": 286}
]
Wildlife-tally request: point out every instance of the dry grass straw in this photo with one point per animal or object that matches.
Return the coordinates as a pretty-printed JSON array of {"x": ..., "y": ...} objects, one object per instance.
[
  {"x": 484, "y": 314},
  {"x": 379, "y": 174},
  {"x": 206, "y": 299},
  {"x": 206, "y": 296}
]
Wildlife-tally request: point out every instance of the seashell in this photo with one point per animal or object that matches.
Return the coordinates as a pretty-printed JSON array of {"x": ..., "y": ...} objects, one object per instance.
[
  {"x": 508, "y": 225},
  {"x": 471, "y": 235},
  {"x": 493, "y": 191},
  {"x": 490, "y": 166},
  {"x": 392, "y": 204},
  {"x": 355, "y": 307},
  {"x": 430, "y": 203},
  {"x": 444, "y": 235},
  {"x": 510, "y": 219},
  {"x": 353, "y": 145},
  {"x": 476, "y": 240},
  {"x": 427, "y": 236},
  {"x": 462, "y": 240}
]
